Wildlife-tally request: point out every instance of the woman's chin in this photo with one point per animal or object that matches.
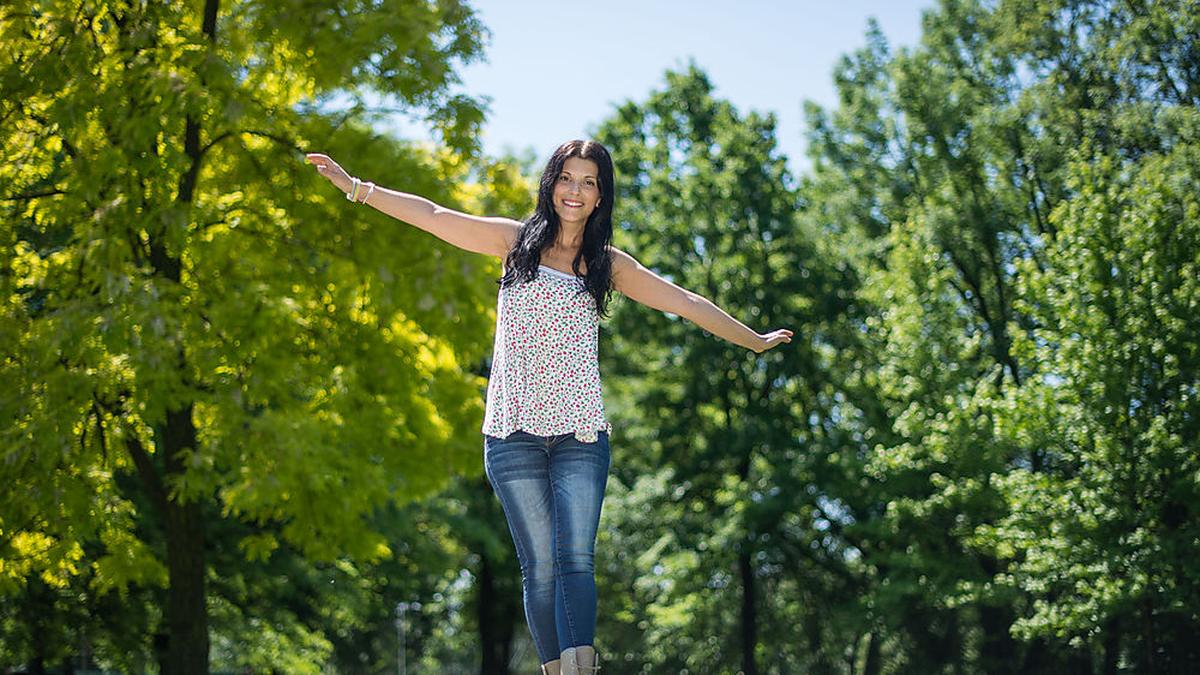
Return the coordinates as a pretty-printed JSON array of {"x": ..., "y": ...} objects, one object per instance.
[{"x": 571, "y": 217}]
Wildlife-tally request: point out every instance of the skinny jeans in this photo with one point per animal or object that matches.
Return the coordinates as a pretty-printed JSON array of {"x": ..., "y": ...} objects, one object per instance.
[{"x": 551, "y": 489}]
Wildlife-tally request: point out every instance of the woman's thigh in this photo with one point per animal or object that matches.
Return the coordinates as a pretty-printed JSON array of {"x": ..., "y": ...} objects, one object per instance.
[
  {"x": 518, "y": 469},
  {"x": 578, "y": 475}
]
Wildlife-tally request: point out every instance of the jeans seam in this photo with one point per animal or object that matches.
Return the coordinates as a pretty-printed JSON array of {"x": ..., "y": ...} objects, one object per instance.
[
  {"x": 525, "y": 586},
  {"x": 522, "y": 556},
  {"x": 559, "y": 578}
]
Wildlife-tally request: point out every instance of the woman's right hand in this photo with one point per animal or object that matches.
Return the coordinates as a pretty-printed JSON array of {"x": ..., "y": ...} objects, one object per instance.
[{"x": 330, "y": 170}]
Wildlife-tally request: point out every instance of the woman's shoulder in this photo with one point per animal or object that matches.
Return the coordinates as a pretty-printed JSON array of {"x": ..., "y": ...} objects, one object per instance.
[{"x": 621, "y": 260}]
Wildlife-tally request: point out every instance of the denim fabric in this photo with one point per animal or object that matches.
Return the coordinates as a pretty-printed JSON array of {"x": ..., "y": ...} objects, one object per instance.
[{"x": 551, "y": 489}]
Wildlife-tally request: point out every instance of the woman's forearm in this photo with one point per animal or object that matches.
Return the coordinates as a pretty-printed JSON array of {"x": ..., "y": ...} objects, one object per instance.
[
  {"x": 412, "y": 209},
  {"x": 716, "y": 321},
  {"x": 466, "y": 231}
]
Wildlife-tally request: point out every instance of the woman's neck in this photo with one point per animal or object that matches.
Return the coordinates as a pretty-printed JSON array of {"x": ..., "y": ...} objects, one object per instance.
[
  {"x": 570, "y": 238},
  {"x": 567, "y": 250}
]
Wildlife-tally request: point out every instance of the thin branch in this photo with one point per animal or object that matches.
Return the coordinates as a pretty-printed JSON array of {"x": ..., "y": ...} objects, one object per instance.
[
  {"x": 282, "y": 140},
  {"x": 31, "y": 196}
]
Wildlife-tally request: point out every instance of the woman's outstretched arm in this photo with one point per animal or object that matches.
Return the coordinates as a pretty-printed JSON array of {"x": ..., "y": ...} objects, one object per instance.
[
  {"x": 640, "y": 284},
  {"x": 478, "y": 234}
]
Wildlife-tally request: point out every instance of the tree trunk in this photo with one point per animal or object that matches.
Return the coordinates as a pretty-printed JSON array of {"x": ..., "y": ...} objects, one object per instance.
[
  {"x": 494, "y": 641},
  {"x": 186, "y": 612},
  {"x": 1148, "y": 644},
  {"x": 749, "y": 616},
  {"x": 1112, "y": 646},
  {"x": 998, "y": 653},
  {"x": 874, "y": 658}
]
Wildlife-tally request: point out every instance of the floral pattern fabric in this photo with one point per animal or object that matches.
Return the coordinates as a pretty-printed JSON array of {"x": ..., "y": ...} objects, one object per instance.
[{"x": 545, "y": 376}]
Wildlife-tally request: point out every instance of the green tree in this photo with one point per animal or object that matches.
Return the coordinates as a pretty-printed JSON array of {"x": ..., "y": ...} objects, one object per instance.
[
  {"x": 1116, "y": 348},
  {"x": 185, "y": 306},
  {"x": 947, "y": 178},
  {"x": 705, "y": 200}
]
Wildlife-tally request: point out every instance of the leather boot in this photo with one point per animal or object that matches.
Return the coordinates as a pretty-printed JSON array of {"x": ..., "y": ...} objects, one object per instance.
[{"x": 573, "y": 662}]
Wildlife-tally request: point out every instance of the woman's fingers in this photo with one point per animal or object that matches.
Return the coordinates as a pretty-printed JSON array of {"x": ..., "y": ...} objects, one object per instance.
[
  {"x": 778, "y": 337},
  {"x": 319, "y": 160},
  {"x": 324, "y": 164},
  {"x": 329, "y": 169}
]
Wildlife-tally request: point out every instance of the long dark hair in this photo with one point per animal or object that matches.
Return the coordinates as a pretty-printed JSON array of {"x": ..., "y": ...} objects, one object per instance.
[{"x": 541, "y": 228}]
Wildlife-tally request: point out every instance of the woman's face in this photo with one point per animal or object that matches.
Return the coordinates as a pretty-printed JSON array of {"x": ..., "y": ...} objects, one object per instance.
[{"x": 577, "y": 190}]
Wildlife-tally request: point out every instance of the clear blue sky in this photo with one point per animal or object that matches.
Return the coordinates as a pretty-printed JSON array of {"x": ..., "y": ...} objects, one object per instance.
[{"x": 553, "y": 70}]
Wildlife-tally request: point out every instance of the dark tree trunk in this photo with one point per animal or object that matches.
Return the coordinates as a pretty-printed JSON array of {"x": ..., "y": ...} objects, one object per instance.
[
  {"x": 749, "y": 614},
  {"x": 499, "y": 605},
  {"x": 183, "y": 649},
  {"x": 998, "y": 653},
  {"x": 186, "y": 613},
  {"x": 1149, "y": 645},
  {"x": 874, "y": 658},
  {"x": 495, "y": 635}
]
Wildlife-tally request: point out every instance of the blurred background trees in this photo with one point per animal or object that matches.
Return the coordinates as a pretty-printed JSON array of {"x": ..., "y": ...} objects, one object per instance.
[{"x": 981, "y": 454}]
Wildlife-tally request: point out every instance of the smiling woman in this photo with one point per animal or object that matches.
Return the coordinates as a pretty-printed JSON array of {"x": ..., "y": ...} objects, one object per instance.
[
  {"x": 571, "y": 225},
  {"x": 544, "y": 418},
  {"x": 576, "y": 195}
]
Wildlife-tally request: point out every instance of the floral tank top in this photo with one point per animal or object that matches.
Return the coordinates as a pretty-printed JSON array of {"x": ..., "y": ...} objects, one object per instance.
[{"x": 545, "y": 377}]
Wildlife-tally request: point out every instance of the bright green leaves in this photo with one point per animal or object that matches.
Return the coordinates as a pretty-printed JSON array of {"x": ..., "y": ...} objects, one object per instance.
[
  {"x": 1118, "y": 350},
  {"x": 1017, "y": 199},
  {"x": 192, "y": 317}
]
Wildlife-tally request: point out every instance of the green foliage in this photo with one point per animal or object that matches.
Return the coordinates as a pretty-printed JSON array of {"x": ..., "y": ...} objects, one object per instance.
[
  {"x": 1116, "y": 350},
  {"x": 704, "y": 200},
  {"x": 1009, "y": 193},
  {"x": 194, "y": 323},
  {"x": 986, "y": 459},
  {"x": 980, "y": 458}
]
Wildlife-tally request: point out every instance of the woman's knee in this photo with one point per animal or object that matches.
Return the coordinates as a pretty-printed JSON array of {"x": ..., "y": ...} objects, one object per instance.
[
  {"x": 540, "y": 570},
  {"x": 576, "y": 562}
]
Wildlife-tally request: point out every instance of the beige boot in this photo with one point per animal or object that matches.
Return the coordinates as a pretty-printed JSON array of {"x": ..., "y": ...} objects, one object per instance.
[
  {"x": 551, "y": 667},
  {"x": 581, "y": 660}
]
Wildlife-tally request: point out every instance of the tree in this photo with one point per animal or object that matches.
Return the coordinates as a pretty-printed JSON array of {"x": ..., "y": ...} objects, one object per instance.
[
  {"x": 1116, "y": 350},
  {"x": 705, "y": 200},
  {"x": 185, "y": 306},
  {"x": 948, "y": 176}
]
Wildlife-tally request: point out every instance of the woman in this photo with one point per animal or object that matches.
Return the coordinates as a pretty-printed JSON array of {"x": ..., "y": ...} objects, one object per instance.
[{"x": 546, "y": 445}]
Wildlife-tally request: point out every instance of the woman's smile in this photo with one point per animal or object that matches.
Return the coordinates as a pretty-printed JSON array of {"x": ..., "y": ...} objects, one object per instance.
[{"x": 577, "y": 189}]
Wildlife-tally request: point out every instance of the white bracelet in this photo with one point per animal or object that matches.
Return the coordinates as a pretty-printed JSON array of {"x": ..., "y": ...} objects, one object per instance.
[
  {"x": 368, "y": 195},
  {"x": 353, "y": 188}
]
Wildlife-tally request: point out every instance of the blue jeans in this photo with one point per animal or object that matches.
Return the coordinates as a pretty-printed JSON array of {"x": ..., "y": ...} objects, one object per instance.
[{"x": 551, "y": 489}]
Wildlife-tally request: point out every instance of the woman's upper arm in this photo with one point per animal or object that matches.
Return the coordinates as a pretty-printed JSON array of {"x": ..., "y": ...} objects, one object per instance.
[
  {"x": 638, "y": 283},
  {"x": 478, "y": 234}
]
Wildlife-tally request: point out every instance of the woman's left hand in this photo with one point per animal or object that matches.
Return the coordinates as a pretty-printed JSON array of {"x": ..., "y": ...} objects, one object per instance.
[{"x": 775, "y": 337}]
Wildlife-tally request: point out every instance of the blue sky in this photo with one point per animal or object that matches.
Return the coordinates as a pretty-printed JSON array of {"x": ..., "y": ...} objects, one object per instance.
[{"x": 553, "y": 70}]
